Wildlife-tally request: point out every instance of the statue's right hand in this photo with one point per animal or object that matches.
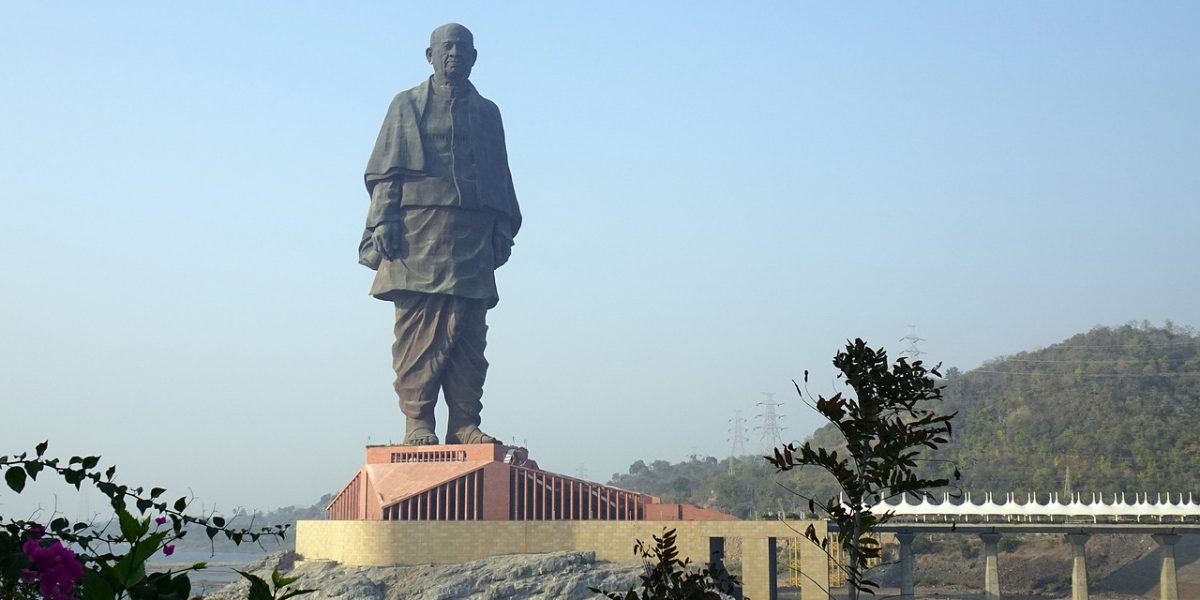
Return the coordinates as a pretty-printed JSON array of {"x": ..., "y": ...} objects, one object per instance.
[{"x": 388, "y": 239}]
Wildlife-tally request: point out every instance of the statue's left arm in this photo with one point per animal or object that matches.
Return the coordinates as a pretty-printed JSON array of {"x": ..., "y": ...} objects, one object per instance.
[{"x": 508, "y": 221}]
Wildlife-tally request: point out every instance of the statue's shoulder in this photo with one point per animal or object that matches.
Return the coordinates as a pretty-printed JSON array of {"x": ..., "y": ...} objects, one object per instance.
[{"x": 408, "y": 98}]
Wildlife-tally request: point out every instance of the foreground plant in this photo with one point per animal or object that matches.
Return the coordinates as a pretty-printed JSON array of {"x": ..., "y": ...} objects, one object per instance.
[
  {"x": 669, "y": 578},
  {"x": 886, "y": 425},
  {"x": 60, "y": 560},
  {"x": 277, "y": 590}
]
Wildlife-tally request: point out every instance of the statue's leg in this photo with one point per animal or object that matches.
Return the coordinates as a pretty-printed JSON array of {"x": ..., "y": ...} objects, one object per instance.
[
  {"x": 466, "y": 370},
  {"x": 419, "y": 354}
]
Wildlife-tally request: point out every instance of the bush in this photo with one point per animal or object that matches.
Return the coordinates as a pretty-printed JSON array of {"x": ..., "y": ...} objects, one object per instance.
[{"x": 61, "y": 560}]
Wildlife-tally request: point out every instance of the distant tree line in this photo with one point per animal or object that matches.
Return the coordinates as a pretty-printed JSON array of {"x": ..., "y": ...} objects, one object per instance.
[{"x": 1110, "y": 410}]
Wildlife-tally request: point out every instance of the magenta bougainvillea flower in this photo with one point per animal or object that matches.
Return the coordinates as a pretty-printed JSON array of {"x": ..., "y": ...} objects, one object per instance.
[
  {"x": 54, "y": 567},
  {"x": 160, "y": 520},
  {"x": 169, "y": 549}
]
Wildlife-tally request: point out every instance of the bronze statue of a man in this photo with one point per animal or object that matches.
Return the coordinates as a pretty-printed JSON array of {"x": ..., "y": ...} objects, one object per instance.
[{"x": 443, "y": 217}]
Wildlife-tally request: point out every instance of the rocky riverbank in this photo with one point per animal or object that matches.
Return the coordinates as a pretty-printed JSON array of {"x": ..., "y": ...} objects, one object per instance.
[{"x": 555, "y": 576}]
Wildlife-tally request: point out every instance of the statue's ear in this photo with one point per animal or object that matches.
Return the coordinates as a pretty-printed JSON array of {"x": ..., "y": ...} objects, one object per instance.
[{"x": 429, "y": 55}]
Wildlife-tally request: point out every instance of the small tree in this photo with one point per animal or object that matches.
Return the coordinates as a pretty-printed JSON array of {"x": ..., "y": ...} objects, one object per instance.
[
  {"x": 886, "y": 426},
  {"x": 668, "y": 577}
]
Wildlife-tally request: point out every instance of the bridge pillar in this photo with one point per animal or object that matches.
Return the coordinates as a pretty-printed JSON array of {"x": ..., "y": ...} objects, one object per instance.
[
  {"x": 991, "y": 566},
  {"x": 1168, "y": 587},
  {"x": 1079, "y": 580},
  {"x": 907, "y": 566}
]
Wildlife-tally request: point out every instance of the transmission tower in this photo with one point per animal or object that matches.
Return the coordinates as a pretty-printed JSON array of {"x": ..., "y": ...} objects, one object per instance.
[
  {"x": 912, "y": 351},
  {"x": 772, "y": 431},
  {"x": 737, "y": 438}
]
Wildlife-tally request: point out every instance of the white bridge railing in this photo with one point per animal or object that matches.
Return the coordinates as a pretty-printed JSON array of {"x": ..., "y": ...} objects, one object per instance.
[{"x": 1115, "y": 508}]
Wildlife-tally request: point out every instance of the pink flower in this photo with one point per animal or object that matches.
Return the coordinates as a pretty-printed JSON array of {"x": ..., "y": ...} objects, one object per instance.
[
  {"x": 160, "y": 520},
  {"x": 169, "y": 549},
  {"x": 55, "y": 567}
]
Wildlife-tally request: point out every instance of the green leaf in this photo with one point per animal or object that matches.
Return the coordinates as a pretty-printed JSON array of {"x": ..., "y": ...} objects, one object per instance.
[
  {"x": 181, "y": 504},
  {"x": 181, "y": 585},
  {"x": 129, "y": 571},
  {"x": 73, "y": 477},
  {"x": 33, "y": 468},
  {"x": 294, "y": 593},
  {"x": 41, "y": 448},
  {"x": 90, "y": 462},
  {"x": 130, "y": 528},
  {"x": 147, "y": 547},
  {"x": 259, "y": 590},
  {"x": 95, "y": 587},
  {"x": 15, "y": 478}
]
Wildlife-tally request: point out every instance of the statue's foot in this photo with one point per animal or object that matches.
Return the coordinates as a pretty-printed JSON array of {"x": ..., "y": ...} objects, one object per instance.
[
  {"x": 420, "y": 436},
  {"x": 470, "y": 435}
]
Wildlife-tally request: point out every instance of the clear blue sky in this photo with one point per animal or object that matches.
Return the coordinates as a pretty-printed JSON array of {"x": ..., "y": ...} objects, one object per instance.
[{"x": 716, "y": 196}]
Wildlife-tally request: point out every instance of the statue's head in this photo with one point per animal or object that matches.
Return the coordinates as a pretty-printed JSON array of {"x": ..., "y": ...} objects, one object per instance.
[{"x": 452, "y": 52}]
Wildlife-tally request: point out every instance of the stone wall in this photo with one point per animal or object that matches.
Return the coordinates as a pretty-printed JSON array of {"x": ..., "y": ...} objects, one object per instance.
[{"x": 387, "y": 543}]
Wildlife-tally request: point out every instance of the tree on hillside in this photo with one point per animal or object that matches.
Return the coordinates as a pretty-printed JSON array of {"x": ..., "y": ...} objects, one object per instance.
[{"x": 886, "y": 425}]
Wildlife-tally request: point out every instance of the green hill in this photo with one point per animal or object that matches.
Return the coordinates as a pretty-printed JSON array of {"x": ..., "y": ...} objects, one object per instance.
[
  {"x": 1113, "y": 409},
  {"x": 1110, "y": 410}
]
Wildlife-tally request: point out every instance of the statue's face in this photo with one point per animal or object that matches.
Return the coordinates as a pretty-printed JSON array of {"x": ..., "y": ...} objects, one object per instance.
[{"x": 451, "y": 52}]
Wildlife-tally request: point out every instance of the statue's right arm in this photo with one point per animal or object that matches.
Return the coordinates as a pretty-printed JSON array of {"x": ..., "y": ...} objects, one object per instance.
[{"x": 385, "y": 219}]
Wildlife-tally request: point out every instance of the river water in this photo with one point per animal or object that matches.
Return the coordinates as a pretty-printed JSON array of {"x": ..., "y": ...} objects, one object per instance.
[{"x": 220, "y": 570}]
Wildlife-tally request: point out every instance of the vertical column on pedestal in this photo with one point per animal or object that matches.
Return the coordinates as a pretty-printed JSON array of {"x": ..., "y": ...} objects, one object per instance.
[
  {"x": 991, "y": 566},
  {"x": 1079, "y": 581},
  {"x": 758, "y": 568},
  {"x": 1168, "y": 587},
  {"x": 907, "y": 566}
]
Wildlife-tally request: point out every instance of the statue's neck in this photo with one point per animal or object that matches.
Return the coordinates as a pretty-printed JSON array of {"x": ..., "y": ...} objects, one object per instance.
[{"x": 451, "y": 86}]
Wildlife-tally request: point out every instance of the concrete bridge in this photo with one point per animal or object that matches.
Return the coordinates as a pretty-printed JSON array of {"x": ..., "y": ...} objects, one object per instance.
[{"x": 1164, "y": 519}]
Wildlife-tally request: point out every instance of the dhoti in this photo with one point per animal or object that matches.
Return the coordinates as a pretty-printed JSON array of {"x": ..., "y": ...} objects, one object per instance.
[{"x": 439, "y": 345}]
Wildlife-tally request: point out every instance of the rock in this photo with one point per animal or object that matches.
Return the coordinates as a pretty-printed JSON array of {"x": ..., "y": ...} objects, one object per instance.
[{"x": 553, "y": 576}]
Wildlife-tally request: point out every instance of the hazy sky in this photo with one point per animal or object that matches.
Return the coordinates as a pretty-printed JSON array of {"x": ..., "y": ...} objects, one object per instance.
[{"x": 716, "y": 196}]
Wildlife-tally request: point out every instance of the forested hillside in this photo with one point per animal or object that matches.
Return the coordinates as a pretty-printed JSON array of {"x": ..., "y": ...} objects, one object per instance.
[
  {"x": 1119, "y": 408},
  {"x": 1110, "y": 410}
]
